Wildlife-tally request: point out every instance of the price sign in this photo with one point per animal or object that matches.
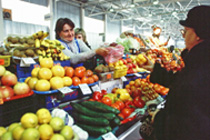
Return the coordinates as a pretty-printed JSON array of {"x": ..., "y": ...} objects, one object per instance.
[
  {"x": 123, "y": 79},
  {"x": 137, "y": 74},
  {"x": 147, "y": 71},
  {"x": 65, "y": 90},
  {"x": 96, "y": 88},
  {"x": 26, "y": 62},
  {"x": 85, "y": 89},
  {"x": 109, "y": 136}
]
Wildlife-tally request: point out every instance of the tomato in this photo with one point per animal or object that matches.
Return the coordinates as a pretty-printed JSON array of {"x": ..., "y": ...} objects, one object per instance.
[
  {"x": 97, "y": 95},
  {"x": 121, "y": 104},
  {"x": 90, "y": 80},
  {"x": 69, "y": 71},
  {"x": 88, "y": 73},
  {"x": 95, "y": 77},
  {"x": 79, "y": 72},
  {"x": 76, "y": 81},
  {"x": 138, "y": 102},
  {"x": 103, "y": 91},
  {"x": 116, "y": 106},
  {"x": 126, "y": 112},
  {"x": 106, "y": 100},
  {"x": 121, "y": 115},
  {"x": 84, "y": 80}
]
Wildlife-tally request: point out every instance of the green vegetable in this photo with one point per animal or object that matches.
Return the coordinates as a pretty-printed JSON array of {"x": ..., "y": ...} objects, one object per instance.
[
  {"x": 90, "y": 120},
  {"x": 97, "y": 106},
  {"x": 93, "y": 130},
  {"x": 108, "y": 128},
  {"x": 115, "y": 122},
  {"x": 89, "y": 112}
]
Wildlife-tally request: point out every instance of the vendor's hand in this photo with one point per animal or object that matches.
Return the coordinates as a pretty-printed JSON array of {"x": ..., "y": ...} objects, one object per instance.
[
  {"x": 102, "y": 51},
  {"x": 153, "y": 115},
  {"x": 149, "y": 65}
]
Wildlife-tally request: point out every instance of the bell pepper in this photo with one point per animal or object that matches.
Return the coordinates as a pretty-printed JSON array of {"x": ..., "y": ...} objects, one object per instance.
[
  {"x": 128, "y": 119},
  {"x": 122, "y": 94},
  {"x": 111, "y": 96}
]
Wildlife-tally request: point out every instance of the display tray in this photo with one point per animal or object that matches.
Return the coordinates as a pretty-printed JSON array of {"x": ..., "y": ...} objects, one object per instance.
[{"x": 56, "y": 91}]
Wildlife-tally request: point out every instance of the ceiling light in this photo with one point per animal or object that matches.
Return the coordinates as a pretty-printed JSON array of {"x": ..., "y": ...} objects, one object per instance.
[
  {"x": 111, "y": 10},
  {"x": 150, "y": 15},
  {"x": 132, "y": 5},
  {"x": 155, "y": 2}
]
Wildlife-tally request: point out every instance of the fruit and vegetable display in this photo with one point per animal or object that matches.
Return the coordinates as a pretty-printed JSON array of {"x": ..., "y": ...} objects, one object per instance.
[
  {"x": 10, "y": 86},
  {"x": 38, "y": 126},
  {"x": 50, "y": 76}
]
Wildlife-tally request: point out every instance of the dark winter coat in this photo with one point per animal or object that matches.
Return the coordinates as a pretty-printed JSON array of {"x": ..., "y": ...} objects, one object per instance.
[{"x": 186, "y": 115}]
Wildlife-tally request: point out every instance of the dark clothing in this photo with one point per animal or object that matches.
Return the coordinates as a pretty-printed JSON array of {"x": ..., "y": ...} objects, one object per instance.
[{"x": 186, "y": 115}]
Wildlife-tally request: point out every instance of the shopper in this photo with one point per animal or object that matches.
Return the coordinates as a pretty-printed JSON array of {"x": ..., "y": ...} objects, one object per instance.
[
  {"x": 80, "y": 34},
  {"x": 76, "y": 49},
  {"x": 186, "y": 115}
]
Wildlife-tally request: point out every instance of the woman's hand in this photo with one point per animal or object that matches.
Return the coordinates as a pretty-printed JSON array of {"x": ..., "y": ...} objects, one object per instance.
[
  {"x": 102, "y": 51},
  {"x": 153, "y": 115}
]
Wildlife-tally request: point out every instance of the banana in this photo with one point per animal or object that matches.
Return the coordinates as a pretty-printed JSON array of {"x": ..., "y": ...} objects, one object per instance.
[
  {"x": 40, "y": 58},
  {"x": 48, "y": 51},
  {"x": 39, "y": 52},
  {"x": 35, "y": 35},
  {"x": 40, "y": 34},
  {"x": 48, "y": 55},
  {"x": 45, "y": 44},
  {"x": 43, "y": 53},
  {"x": 58, "y": 50},
  {"x": 58, "y": 43},
  {"x": 45, "y": 34},
  {"x": 37, "y": 43},
  {"x": 61, "y": 47}
]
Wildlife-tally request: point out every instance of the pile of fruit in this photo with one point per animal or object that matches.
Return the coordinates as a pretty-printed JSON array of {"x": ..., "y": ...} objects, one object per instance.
[
  {"x": 38, "y": 126},
  {"x": 10, "y": 86},
  {"x": 51, "y": 76}
]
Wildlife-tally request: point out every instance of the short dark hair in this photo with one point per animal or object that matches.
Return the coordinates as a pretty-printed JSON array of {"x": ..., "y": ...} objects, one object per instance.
[{"x": 59, "y": 25}]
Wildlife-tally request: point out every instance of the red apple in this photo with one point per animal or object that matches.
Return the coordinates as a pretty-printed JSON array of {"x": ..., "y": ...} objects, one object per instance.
[
  {"x": 21, "y": 88},
  {"x": 9, "y": 80},
  {"x": 6, "y": 91}
]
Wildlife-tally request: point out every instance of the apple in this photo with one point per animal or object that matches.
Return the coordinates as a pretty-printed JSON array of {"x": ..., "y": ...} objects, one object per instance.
[
  {"x": 2, "y": 70},
  {"x": 6, "y": 91},
  {"x": 21, "y": 88},
  {"x": 9, "y": 80}
]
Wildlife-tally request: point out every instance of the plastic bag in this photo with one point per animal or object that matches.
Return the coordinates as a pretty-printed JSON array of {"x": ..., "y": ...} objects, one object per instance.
[{"x": 115, "y": 53}]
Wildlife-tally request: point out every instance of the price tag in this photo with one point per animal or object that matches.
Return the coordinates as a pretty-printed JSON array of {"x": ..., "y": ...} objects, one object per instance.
[
  {"x": 96, "y": 88},
  {"x": 85, "y": 89},
  {"x": 137, "y": 74},
  {"x": 26, "y": 62},
  {"x": 65, "y": 90},
  {"x": 147, "y": 71},
  {"x": 1, "y": 61},
  {"x": 123, "y": 79},
  {"x": 109, "y": 136}
]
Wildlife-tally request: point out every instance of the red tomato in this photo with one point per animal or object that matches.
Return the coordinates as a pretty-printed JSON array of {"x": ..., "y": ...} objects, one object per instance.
[
  {"x": 95, "y": 77},
  {"x": 97, "y": 95},
  {"x": 90, "y": 80},
  {"x": 69, "y": 71},
  {"x": 79, "y": 72},
  {"x": 106, "y": 100},
  {"x": 126, "y": 112},
  {"x": 84, "y": 80},
  {"x": 76, "y": 81},
  {"x": 138, "y": 102},
  {"x": 116, "y": 106},
  {"x": 103, "y": 91},
  {"x": 88, "y": 73},
  {"x": 121, "y": 104}
]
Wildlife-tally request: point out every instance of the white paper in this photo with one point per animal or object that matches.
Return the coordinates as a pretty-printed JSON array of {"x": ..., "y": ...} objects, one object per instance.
[
  {"x": 124, "y": 79},
  {"x": 85, "y": 89},
  {"x": 109, "y": 136},
  {"x": 137, "y": 74},
  {"x": 65, "y": 90},
  {"x": 96, "y": 88},
  {"x": 26, "y": 62}
]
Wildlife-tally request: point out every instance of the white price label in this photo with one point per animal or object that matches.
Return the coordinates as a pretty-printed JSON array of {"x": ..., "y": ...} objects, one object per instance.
[
  {"x": 65, "y": 90},
  {"x": 147, "y": 71},
  {"x": 96, "y": 88},
  {"x": 123, "y": 79},
  {"x": 28, "y": 60},
  {"x": 137, "y": 74},
  {"x": 85, "y": 89},
  {"x": 109, "y": 136}
]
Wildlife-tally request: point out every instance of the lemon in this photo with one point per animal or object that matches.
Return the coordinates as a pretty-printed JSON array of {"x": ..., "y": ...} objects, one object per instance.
[
  {"x": 30, "y": 134},
  {"x": 12, "y": 126},
  {"x": 45, "y": 73},
  {"x": 42, "y": 85},
  {"x": 45, "y": 131},
  {"x": 7, "y": 136},
  {"x": 27, "y": 79},
  {"x": 57, "y": 123},
  {"x": 46, "y": 63},
  {"x": 67, "y": 81},
  {"x": 67, "y": 132},
  {"x": 17, "y": 132},
  {"x": 57, "y": 137},
  {"x": 58, "y": 71},
  {"x": 35, "y": 71},
  {"x": 32, "y": 82},
  {"x": 43, "y": 115},
  {"x": 2, "y": 131},
  {"x": 56, "y": 82},
  {"x": 29, "y": 120}
]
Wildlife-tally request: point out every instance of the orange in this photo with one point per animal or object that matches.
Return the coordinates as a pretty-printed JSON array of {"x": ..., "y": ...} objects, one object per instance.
[
  {"x": 45, "y": 73},
  {"x": 46, "y": 63},
  {"x": 56, "y": 82},
  {"x": 35, "y": 71},
  {"x": 58, "y": 71},
  {"x": 67, "y": 81},
  {"x": 42, "y": 85}
]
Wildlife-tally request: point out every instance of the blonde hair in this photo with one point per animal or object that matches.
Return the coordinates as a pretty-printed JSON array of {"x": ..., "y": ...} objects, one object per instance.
[{"x": 82, "y": 32}]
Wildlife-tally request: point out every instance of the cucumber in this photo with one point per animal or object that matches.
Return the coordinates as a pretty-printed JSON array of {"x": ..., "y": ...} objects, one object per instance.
[
  {"x": 89, "y": 112},
  {"x": 90, "y": 120},
  {"x": 108, "y": 128},
  {"x": 93, "y": 130},
  {"x": 97, "y": 106},
  {"x": 115, "y": 122}
]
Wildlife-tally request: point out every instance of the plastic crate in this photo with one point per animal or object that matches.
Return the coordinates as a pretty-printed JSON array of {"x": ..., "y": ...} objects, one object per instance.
[
  {"x": 107, "y": 76},
  {"x": 5, "y": 60},
  {"x": 120, "y": 72}
]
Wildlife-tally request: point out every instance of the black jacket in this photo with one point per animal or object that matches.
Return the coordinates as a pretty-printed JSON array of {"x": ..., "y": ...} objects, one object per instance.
[{"x": 186, "y": 115}]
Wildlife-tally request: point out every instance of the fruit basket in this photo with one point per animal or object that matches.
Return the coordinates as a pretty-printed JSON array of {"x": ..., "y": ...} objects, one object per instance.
[
  {"x": 120, "y": 72},
  {"x": 5, "y": 60}
]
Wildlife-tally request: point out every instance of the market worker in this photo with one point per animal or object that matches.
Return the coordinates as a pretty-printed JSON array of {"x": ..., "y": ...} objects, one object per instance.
[
  {"x": 186, "y": 115},
  {"x": 76, "y": 49},
  {"x": 80, "y": 34}
]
